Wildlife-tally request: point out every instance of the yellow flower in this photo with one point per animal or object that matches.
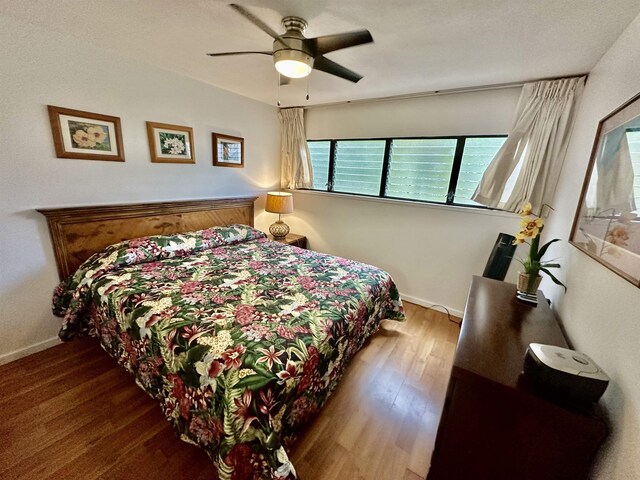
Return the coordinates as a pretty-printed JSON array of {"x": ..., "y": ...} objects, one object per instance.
[
  {"x": 531, "y": 226},
  {"x": 520, "y": 237},
  {"x": 96, "y": 134},
  {"x": 526, "y": 209}
]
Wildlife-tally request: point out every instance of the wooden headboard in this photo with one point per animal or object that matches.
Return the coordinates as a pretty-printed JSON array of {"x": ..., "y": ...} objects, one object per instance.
[{"x": 79, "y": 232}]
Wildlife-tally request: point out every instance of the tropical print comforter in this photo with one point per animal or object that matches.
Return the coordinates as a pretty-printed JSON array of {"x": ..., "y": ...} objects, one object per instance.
[{"x": 241, "y": 339}]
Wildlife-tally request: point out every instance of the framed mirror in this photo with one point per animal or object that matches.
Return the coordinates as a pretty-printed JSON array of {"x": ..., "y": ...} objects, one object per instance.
[{"x": 607, "y": 223}]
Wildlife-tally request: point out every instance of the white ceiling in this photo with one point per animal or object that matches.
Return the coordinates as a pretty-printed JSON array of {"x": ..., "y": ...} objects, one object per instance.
[{"x": 420, "y": 45}]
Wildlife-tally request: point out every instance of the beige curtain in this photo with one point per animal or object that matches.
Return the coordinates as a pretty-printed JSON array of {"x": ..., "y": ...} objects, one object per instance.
[
  {"x": 527, "y": 167},
  {"x": 295, "y": 157}
]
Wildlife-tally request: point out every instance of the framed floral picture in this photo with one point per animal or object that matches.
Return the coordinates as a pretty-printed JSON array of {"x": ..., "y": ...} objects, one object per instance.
[
  {"x": 228, "y": 151},
  {"x": 170, "y": 143},
  {"x": 85, "y": 135},
  {"x": 607, "y": 223}
]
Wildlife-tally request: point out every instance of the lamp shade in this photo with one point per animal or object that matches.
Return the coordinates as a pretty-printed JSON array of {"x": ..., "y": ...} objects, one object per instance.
[{"x": 279, "y": 202}]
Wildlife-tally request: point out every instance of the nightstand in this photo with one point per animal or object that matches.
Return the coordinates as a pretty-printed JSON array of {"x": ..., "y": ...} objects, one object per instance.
[{"x": 291, "y": 239}]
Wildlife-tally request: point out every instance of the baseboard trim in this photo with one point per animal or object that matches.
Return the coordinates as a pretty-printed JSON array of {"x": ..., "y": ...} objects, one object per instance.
[
  {"x": 428, "y": 304},
  {"x": 23, "y": 352}
]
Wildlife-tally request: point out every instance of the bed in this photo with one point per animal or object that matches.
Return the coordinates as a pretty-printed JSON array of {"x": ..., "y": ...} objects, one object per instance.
[{"x": 239, "y": 338}]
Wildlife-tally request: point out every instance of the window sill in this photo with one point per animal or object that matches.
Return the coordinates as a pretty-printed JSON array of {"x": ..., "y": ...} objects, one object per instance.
[{"x": 408, "y": 203}]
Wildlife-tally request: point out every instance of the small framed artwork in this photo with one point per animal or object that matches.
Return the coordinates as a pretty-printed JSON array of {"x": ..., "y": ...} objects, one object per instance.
[
  {"x": 170, "y": 143},
  {"x": 85, "y": 135},
  {"x": 228, "y": 151},
  {"x": 607, "y": 223}
]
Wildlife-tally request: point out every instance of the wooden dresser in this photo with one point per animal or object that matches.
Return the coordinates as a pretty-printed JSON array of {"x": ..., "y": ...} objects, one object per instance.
[{"x": 494, "y": 425}]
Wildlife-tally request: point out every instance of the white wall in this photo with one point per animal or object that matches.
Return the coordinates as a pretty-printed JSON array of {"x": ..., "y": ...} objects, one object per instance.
[
  {"x": 40, "y": 68},
  {"x": 601, "y": 311},
  {"x": 431, "y": 251},
  {"x": 473, "y": 113}
]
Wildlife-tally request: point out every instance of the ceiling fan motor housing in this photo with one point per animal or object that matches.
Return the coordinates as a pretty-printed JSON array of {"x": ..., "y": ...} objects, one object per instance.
[
  {"x": 295, "y": 23},
  {"x": 295, "y": 49},
  {"x": 292, "y": 54}
]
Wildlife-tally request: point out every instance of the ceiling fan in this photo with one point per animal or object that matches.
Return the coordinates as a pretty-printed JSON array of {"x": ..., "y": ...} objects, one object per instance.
[{"x": 295, "y": 55}]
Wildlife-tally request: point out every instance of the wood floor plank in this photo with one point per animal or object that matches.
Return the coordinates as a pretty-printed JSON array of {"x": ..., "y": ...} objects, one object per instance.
[
  {"x": 411, "y": 475},
  {"x": 72, "y": 412}
]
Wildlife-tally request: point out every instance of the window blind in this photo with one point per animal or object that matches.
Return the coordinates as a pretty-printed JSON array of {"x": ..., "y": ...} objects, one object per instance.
[
  {"x": 420, "y": 169},
  {"x": 320, "y": 154},
  {"x": 478, "y": 153},
  {"x": 358, "y": 166}
]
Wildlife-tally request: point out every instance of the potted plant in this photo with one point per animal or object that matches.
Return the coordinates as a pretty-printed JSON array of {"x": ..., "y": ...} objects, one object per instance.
[{"x": 532, "y": 226}]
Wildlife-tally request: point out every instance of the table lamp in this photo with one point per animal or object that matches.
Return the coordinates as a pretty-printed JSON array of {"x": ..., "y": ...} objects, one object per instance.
[{"x": 279, "y": 202}]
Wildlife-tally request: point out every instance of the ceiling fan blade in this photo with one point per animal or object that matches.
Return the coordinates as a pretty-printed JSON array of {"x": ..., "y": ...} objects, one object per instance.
[
  {"x": 338, "y": 41},
  {"x": 258, "y": 23},
  {"x": 226, "y": 54},
  {"x": 329, "y": 66}
]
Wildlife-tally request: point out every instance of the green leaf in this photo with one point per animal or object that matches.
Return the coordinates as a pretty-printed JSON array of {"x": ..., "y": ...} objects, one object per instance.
[
  {"x": 231, "y": 378},
  {"x": 533, "y": 250},
  {"x": 544, "y": 248},
  {"x": 554, "y": 279},
  {"x": 190, "y": 376},
  {"x": 225, "y": 472},
  {"x": 254, "y": 382},
  {"x": 196, "y": 353},
  {"x": 297, "y": 352},
  {"x": 550, "y": 265}
]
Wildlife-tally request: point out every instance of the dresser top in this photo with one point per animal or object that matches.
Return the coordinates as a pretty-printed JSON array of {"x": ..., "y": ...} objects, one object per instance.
[{"x": 497, "y": 329}]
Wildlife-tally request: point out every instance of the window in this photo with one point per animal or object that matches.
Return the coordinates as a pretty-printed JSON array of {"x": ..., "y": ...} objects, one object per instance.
[
  {"x": 320, "y": 163},
  {"x": 477, "y": 155},
  {"x": 633, "y": 140},
  {"x": 440, "y": 170},
  {"x": 420, "y": 169},
  {"x": 358, "y": 166}
]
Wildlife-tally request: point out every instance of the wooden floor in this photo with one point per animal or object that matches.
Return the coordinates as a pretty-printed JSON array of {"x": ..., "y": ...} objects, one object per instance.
[{"x": 70, "y": 412}]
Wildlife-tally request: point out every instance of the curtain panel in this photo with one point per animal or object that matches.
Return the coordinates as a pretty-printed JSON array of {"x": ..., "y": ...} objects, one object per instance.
[
  {"x": 527, "y": 167},
  {"x": 296, "y": 171}
]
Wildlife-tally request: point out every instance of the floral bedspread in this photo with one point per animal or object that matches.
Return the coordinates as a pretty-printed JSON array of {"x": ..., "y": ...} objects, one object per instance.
[{"x": 241, "y": 339}]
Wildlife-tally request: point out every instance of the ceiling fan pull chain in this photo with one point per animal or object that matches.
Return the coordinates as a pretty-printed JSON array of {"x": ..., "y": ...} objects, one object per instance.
[
  {"x": 279, "y": 82},
  {"x": 307, "y": 87}
]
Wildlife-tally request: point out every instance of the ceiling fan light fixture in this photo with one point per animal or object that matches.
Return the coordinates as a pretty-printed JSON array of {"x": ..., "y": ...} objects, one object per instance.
[
  {"x": 293, "y": 68},
  {"x": 293, "y": 63},
  {"x": 295, "y": 55}
]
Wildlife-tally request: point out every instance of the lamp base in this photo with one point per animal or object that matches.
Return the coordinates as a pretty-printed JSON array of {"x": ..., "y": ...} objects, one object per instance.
[{"x": 279, "y": 229}]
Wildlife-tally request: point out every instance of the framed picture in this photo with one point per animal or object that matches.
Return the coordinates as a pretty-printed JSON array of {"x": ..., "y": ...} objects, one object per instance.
[
  {"x": 607, "y": 223},
  {"x": 170, "y": 143},
  {"x": 228, "y": 151},
  {"x": 85, "y": 135}
]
